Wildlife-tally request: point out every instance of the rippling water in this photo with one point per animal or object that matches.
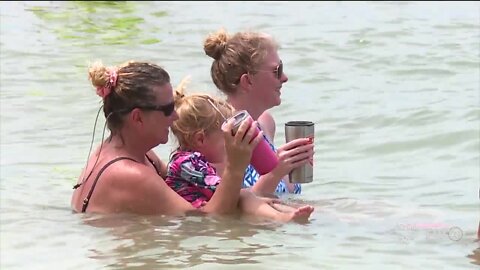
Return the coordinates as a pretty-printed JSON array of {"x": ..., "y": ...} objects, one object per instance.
[{"x": 393, "y": 88}]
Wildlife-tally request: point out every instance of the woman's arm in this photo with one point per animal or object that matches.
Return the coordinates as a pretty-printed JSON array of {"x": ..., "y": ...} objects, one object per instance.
[
  {"x": 290, "y": 156},
  {"x": 267, "y": 183},
  {"x": 137, "y": 189},
  {"x": 239, "y": 148}
]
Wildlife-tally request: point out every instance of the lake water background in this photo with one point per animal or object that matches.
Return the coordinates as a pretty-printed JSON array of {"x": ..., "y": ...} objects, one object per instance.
[{"x": 393, "y": 89}]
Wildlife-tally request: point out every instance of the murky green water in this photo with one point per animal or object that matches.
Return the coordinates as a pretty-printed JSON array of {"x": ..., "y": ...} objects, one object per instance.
[{"x": 393, "y": 88}]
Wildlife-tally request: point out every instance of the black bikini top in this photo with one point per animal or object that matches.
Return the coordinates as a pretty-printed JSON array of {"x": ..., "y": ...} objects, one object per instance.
[{"x": 87, "y": 199}]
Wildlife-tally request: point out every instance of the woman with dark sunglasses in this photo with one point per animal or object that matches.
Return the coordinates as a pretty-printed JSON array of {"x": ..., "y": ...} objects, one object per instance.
[
  {"x": 124, "y": 174},
  {"x": 248, "y": 70}
]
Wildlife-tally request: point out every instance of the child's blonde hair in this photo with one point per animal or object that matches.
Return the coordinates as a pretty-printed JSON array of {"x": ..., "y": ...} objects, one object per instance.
[{"x": 196, "y": 113}]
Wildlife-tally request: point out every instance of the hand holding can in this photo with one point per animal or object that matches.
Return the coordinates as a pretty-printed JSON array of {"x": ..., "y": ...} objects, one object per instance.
[
  {"x": 264, "y": 159},
  {"x": 295, "y": 130}
]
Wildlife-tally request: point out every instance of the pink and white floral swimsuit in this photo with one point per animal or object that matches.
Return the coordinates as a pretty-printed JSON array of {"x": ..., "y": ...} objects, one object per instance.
[{"x": 192, "y": 177}]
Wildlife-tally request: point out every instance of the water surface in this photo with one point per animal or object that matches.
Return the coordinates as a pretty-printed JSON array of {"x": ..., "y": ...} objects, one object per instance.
[{"x": 393, "y": 89}]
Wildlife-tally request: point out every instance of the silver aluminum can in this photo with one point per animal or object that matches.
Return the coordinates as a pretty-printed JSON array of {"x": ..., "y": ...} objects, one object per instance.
[
  {"x": 239, "y": 117},
  {"x": 295, "y": 130}
]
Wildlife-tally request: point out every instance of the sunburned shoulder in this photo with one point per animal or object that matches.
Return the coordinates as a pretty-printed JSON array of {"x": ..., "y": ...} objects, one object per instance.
[
  {"x": 129, "y": 174},
  {"x": 127, "y": 186},
  {"x": 267, "y": 122}
]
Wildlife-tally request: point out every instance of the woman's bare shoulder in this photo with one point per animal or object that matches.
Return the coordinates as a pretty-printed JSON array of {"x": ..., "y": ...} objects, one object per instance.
[
  {"x": 267, "y": 122},
  {"x": 127, "y": 173},
  {"x": 130, "y": 186}
]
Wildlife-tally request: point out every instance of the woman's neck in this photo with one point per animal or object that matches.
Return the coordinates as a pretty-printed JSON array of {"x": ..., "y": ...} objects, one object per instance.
[
  {"x": 135, "y": 149},
  {"x": 240, "y": 103}
]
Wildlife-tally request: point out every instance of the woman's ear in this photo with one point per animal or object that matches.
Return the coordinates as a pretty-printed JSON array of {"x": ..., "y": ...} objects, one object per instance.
[
  {"x": 245, "y": 81},
  {"x": 136, "y": 116}
]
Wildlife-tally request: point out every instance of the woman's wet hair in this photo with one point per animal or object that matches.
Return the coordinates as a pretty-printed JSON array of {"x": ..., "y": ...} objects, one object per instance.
[
  {"x": 125, "y": 87},
  {"x": 236, "y": 55},
  {"x": 196, "y": 113}
]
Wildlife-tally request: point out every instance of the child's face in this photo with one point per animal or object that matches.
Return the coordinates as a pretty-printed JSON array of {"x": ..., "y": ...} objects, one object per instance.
[{"x": 214, "y": 149}]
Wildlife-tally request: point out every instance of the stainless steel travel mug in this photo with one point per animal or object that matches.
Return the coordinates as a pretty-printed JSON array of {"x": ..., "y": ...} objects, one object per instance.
[{"x": 295, "y": 130}]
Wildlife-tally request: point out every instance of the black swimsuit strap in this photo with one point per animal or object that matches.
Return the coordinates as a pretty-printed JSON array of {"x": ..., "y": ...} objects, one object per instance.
[
  {"x": 153, "y": 163},
  {"x": 87, "y": 199}
]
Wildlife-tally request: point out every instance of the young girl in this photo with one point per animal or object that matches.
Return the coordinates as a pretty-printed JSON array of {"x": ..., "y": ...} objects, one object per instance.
[{"x": 201, "y": 143}]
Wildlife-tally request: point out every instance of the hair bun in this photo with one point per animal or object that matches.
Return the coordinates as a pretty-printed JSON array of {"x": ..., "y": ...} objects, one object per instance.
[
  {"x": 179, "y": 91},
  {"x": 215, "y": 44}
]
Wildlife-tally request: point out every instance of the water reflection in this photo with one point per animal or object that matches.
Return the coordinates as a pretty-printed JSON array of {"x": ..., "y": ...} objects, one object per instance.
[
  {"x": 177, "y": 242},
  {"x": 97, "y": 22},
  {"x": 475, "y": 256},
  {"x": 366, "y": 201}
]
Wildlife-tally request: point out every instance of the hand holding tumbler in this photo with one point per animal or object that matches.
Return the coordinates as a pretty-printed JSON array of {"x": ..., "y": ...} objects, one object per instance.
[
  {"x": 295, "y": 130},
  {"x": 264, "y": 159}
]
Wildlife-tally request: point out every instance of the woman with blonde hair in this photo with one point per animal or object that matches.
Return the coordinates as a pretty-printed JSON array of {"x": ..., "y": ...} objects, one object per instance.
[{"x": 249, "y": 71}]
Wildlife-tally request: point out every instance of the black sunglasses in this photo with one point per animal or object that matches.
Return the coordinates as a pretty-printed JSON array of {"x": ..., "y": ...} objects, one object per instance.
[
  {"x": 278, "y": 70},
  {"x": 167, "y": 109}
]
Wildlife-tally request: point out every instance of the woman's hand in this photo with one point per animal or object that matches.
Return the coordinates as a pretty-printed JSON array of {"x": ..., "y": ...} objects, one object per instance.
[
  {"x": 239, "y": 146},
  {"x": 292, "y": 155}
]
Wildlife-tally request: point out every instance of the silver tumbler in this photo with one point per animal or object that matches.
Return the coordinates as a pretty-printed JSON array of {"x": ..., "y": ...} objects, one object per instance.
[{"x": 295, "y": 130}]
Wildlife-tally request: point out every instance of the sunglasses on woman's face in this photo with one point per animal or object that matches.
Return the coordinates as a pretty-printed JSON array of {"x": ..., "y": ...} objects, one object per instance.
[
  {"x": 278, "y": 70},
  {"x": 166, "y": 109}
]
